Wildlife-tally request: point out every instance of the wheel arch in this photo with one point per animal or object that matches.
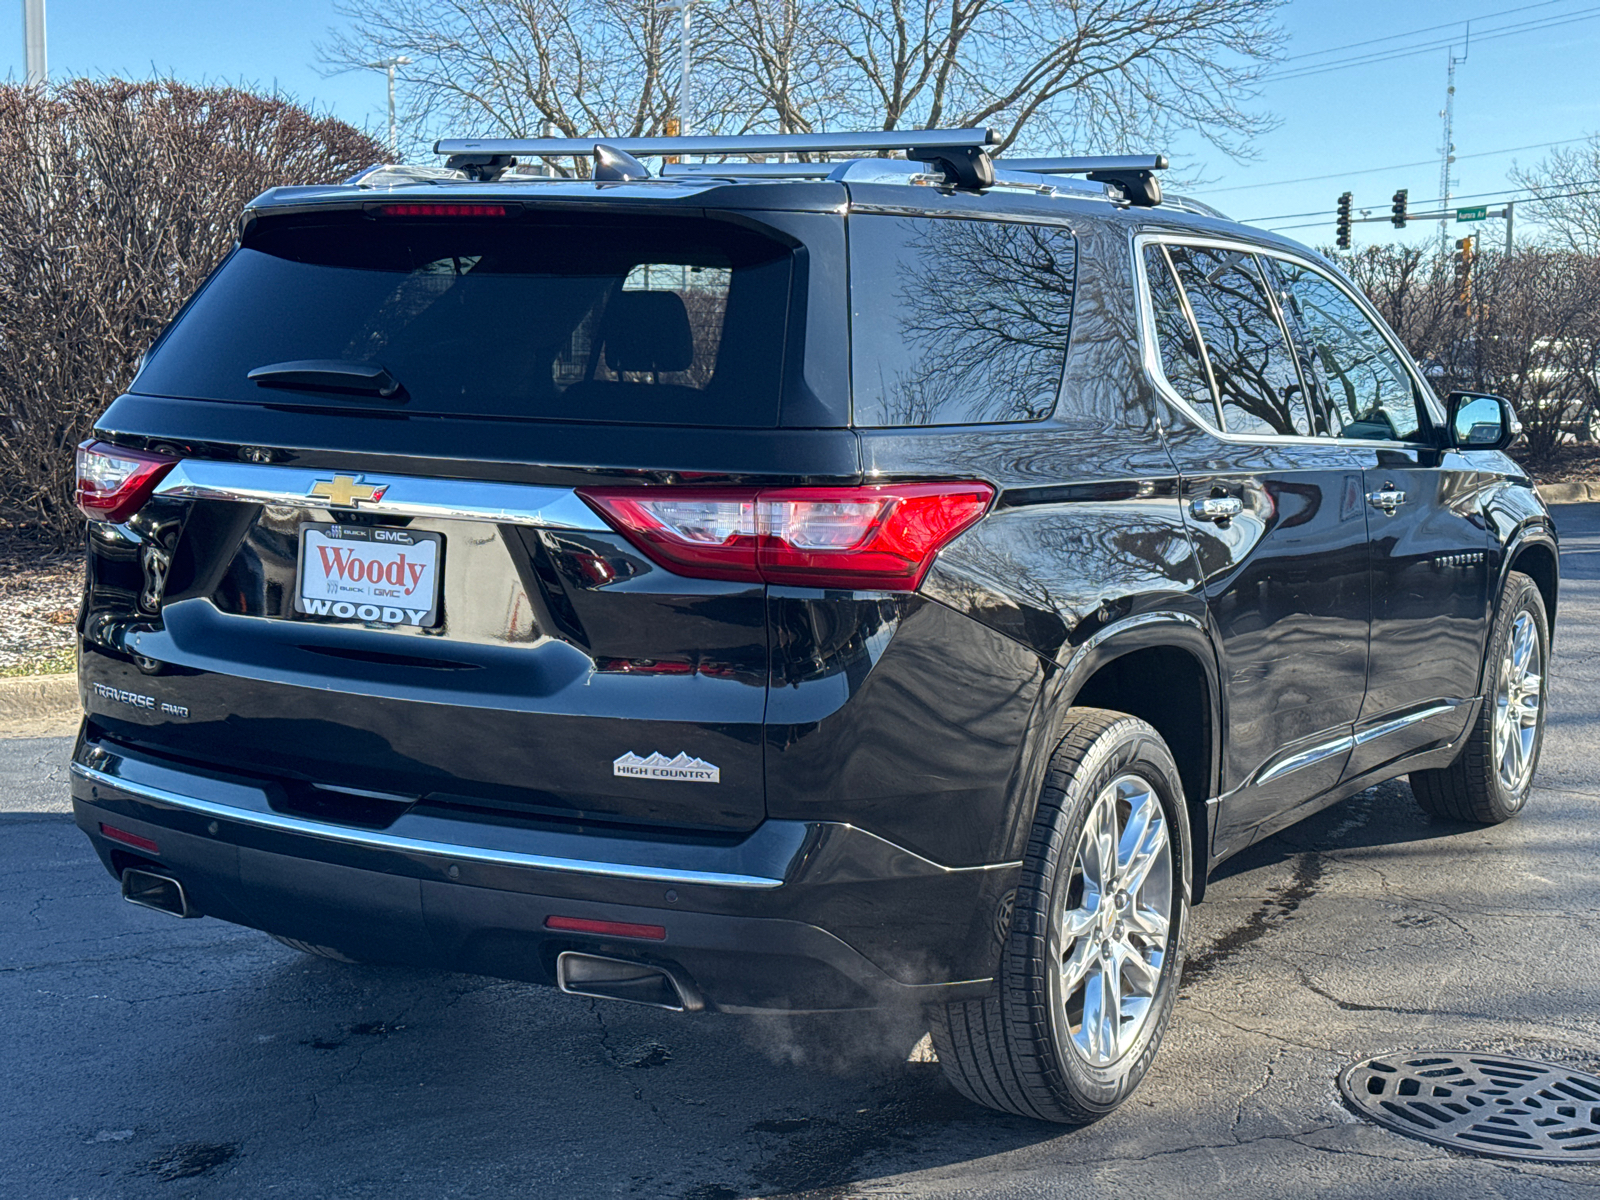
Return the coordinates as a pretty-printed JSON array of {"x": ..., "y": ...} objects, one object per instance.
[
  {"x": 1534, "y": 553},
  {"x": 1163, "y": 671}
]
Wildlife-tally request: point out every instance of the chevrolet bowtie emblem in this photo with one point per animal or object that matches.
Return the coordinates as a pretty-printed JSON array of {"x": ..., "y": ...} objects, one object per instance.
[{"x": 347, "y": 491}]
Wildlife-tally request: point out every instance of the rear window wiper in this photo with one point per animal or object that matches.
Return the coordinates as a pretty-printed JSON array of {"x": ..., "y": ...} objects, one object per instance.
[{"x": 328, "y": 375}]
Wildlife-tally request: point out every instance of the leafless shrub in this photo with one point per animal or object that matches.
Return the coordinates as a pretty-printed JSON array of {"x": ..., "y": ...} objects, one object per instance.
[{"x": 116, "y": 200}]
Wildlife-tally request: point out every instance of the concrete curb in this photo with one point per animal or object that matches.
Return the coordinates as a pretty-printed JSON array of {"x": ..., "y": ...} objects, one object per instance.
[
  {"x": 39, "y": 705},
  {"x": 1569, "y": 493}
]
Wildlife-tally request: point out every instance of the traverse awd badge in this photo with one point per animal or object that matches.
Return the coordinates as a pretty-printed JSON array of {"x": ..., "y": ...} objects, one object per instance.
[
  {"x": 347, "y": 491},
  {"x": 659, "y": 766}
]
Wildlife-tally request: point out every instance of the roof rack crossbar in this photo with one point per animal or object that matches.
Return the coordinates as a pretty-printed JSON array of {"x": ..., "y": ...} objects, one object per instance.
[
  {"x": 877, "y": 141},
  {"x": 1084, "y": 165}
]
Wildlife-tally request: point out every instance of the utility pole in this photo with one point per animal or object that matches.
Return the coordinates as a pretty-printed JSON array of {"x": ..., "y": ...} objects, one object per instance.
[
  {"x": 685, "y": 62},
  {"x": 33, "y": 41},
  {"x": 386, "y": 64},
  {"x": 1447, "y": 148}
]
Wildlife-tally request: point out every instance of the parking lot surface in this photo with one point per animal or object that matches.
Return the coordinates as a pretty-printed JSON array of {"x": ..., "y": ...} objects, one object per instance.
[{"x": 150, "y": 1057}]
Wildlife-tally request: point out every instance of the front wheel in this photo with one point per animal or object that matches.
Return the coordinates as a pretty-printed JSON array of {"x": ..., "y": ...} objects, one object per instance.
[
  {"x": 1090, "y": 966},
  {"x": 1490, "y": 779}
]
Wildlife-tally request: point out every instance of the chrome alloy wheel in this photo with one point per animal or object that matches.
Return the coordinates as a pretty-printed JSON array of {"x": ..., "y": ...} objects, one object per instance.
[
  {"x": 1109, "y": 943},
  {"x": 1518, "y": 703}
]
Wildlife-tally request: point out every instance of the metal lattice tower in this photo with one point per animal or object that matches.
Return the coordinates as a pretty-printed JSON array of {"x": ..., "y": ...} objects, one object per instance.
[{"x": 1447, "y": 147}]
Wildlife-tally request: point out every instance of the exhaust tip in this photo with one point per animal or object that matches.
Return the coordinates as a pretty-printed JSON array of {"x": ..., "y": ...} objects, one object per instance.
[
  {"x": 148, "y": 889},
  {"x": 593, "y": 975}
]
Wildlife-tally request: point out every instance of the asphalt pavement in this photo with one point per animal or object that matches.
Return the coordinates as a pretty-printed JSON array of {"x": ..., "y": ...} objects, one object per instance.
[{"x": 149, "y": 1057}]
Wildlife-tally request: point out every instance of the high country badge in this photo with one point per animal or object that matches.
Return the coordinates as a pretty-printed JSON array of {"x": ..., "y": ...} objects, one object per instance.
[{"x": 659, "y": 766}]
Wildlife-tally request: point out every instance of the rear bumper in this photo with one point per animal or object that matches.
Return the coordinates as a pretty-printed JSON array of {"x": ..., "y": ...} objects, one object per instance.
[{"x": 794, "y": 916}]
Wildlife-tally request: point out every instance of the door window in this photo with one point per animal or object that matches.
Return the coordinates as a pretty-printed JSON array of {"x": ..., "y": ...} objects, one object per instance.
[
  {"x": 1363, "y": 389},
  {"x": 1258, "y": 383}
]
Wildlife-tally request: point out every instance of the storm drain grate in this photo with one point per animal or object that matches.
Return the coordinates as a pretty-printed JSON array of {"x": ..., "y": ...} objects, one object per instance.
[{"x": 1482, "y": 1103}]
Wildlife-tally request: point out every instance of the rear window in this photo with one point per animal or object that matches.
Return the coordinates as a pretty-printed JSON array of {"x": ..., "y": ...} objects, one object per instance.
[
  {"x": 658, "y": 321},
  {"x": 957, "y": 322}
]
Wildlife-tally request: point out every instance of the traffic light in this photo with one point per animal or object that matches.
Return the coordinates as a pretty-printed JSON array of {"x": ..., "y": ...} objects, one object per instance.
[
  {"x": 1343, "y": 226},
  {"x": 1465, "y": 252},
  {"x": 1398, "y": 209}
]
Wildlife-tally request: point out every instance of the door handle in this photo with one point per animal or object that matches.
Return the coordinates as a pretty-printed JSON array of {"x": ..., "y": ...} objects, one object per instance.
[
  {"x": 1388, "y": 499},
  {"x": 1220, "y": 509}
]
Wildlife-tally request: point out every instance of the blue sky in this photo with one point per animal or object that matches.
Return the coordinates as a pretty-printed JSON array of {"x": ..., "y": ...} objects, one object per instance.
[{"x": 1528, "y": 88}]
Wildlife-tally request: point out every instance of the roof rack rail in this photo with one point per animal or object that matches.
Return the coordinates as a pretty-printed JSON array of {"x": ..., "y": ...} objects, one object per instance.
[
  {"x": 753, "y": 170},
  {"x": 1133, "y": 175},
  {"x": 1085, "y": 165}
]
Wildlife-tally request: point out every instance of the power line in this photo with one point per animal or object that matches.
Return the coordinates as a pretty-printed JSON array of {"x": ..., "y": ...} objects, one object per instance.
[
  {"x": 1508, "y": 193},
  {"x": 1504, "y": 12},
  {"x": 1240, "y": 187},
  {"x": 1362, "y": 60},
  {"x": 1523, "y": 200}
]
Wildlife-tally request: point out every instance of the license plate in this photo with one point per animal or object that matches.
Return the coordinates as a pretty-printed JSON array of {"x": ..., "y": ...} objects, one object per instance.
[{"x": 362, "y": 573}]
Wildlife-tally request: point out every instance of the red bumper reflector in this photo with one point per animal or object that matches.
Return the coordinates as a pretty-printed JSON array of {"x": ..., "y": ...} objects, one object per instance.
[
  {"x": 128, "y": 839},
  {"x": 654, "y": 933}
]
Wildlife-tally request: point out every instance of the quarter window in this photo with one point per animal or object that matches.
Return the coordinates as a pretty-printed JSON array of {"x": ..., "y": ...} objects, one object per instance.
[
  {"x": 1257, "y": 381},
  {"x": 1182, "y": 360},
  {"x": 1365, "y": 390},
  {"x": 957, "y": 322}
]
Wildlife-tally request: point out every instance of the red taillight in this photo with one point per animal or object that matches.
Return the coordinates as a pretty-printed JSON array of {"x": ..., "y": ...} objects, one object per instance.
[
  {"x": 654, "y": 933},
  {"x": 880, "y": 537},
  {"x": 128, "y": 839},
  {"x": 444, "y": 210},
  {"x": 113, "y": 482}
]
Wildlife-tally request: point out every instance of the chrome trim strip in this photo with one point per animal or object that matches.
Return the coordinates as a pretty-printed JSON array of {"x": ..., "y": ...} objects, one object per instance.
[
  {"x": 385, "y": 841},
  {"x": 404, "y": 495},
  {"x": 1435, "y": 709},
  {"x": 1303, "y": 758}
]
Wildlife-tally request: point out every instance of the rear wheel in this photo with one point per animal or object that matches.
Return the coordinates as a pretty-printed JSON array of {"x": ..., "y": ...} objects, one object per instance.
[
  {"x": 312, "y": 948},
  {"x": 1490, "y": 779},
  {"x": 1089, "y": 970}
]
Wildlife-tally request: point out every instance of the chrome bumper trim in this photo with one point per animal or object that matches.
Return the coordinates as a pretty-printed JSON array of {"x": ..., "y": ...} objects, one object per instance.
[
  {"x": 374, "y": 839},
  {"x": 403, "y": 495}
]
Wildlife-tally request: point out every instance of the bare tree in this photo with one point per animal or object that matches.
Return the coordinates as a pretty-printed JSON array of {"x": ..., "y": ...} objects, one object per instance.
[
  {"x": 116, "y": 200},
  {"x": 1566, "y": 194},
  {"x": 1528, "y": 329},
  {"x": 1086, "y": 74}
]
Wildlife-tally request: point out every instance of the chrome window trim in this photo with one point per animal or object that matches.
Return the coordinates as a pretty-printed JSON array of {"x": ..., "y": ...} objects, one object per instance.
[
  {"x": 374, "y": 839},
  {"x": 1150, "y": 353},
  {"x": 405, "y": 495}
]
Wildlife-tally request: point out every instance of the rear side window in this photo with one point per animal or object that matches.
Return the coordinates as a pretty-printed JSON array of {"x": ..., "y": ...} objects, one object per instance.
[
  {"x": 657, "y": 321},
  {"x": 1258, "y": 383},
  {"x": 957, "y": 322}
]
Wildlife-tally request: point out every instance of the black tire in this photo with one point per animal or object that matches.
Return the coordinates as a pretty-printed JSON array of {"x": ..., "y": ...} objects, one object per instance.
[
  {"x": 1472, "y": 788},
  {"x": 327, "y": 952},
  {"x": 1015, "y": 1050}
]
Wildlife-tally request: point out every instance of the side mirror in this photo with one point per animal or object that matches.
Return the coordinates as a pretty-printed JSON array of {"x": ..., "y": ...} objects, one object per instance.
[{"x": 1481, "y": 422}]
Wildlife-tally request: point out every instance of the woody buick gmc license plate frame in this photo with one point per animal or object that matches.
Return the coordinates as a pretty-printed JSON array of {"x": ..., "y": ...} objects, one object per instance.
[{"x": 366, "y": 574}]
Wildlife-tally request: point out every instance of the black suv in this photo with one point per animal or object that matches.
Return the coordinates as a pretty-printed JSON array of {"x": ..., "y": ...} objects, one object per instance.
[{"x": 787, "y": 585}]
